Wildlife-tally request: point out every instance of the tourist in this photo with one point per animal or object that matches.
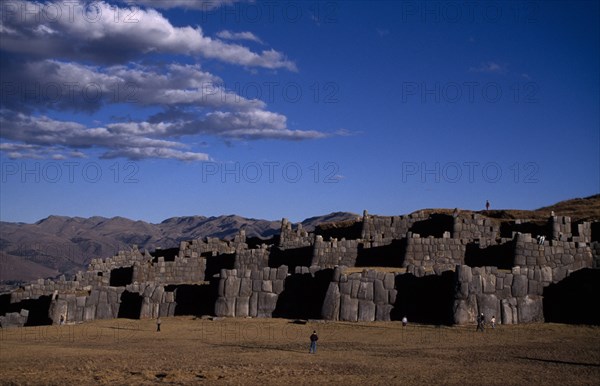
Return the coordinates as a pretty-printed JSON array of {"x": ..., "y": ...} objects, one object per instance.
[
  {"x": 480, "y": 322},
  {"x": 62, "y": 320},
  {"x": 313, "y": 343},
  {"x": 493, "y": 321},
  {"x": 487, "y": 205},
  {"x": 404, "y": 321},
  {"x": 158, "y": 324}
]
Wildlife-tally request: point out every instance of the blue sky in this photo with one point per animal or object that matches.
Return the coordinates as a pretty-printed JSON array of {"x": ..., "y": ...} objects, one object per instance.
[{"x": 153, "y": 109}]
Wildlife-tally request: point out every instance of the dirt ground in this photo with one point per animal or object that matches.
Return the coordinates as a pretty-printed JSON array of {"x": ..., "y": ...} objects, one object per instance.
[{"x": 275, "y": 351}]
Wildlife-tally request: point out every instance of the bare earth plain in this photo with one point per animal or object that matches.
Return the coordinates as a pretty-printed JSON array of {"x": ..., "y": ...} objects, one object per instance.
[{"x": 275, "y": 351}]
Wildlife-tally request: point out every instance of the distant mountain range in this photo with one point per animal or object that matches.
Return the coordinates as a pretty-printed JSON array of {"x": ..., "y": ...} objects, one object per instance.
[{"x": 64, "y": 245}]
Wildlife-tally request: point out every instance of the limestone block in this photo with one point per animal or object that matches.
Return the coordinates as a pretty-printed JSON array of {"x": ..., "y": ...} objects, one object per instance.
[
  {"x": 242, "y": 307},
  {"x": 81, "y": 301},
  {"x": 382, "y": 312},
  {"x": 388, "y": 281},
  {"x": 489, "y": 304},
  {"x": 57, "y": 308},
  {"x": 225, "y": 307},
  {"x": 273, "y": 274},
  {"x": 267, "y": 286},
  {"x": 89, "y": 313},
  {"x": 519, "y": 286},
  {"x": 157, "y": 294},
  {"x": 366, "y": 311},
  {"x": 380, "y": 294},
  {"x": 245, "y": 287},
  {"x": 392, "y": 296},
  {"x": 355, "y": 287},
  {"x": 146, "y": 311},
  {"x": 282, "y": 272},
  {"x": 232, "y": 286},
  {"x": 266, "y": 304},
  {"x": 257, "y": 285},
  {"x": 530, "y": 309},
  {"x": 475, "y": 285},
  {"x": 489, "y": 283},
  {"x": 365, "y": 291},
  {"x": 345, "y": 287},
  {"x": 104, "y": 311},
  {"x": 348, "y": 309},
  {"x": 508, "y": 312},
  {"x": 253, "y": 306},
  {"x": 465, "y": 310},
  {"x": 278, "y": 286},
  {"x": 331, "y": 304},
  {"x": 92, "y": 299}
]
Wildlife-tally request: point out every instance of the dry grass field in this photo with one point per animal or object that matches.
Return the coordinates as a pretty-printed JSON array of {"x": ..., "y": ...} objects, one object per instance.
[{"x": 275, "y": 351}]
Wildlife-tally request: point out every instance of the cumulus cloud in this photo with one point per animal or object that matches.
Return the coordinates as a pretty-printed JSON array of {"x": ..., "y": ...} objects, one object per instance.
[
  {"x": 53, "y": 84},
  {"x": 75, "y": 56},
  {"x": 44, "y": 137},
  {"x": 105, "y": 33},
  {"x": 41, "y": 136}
]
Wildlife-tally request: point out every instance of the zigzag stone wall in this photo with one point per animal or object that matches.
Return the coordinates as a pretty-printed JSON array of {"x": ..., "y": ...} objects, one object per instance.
[{"x": 253, "y": 288}]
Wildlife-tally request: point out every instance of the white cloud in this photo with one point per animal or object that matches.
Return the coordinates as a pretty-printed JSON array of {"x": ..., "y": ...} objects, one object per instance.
[
  {"x": 202, "y": 5},
  {"x": 43, "y": 137},
  {"x": 72, "y": 86},
  {"x": 105, "y": 33},
  {"x": 228, "y": 35}
]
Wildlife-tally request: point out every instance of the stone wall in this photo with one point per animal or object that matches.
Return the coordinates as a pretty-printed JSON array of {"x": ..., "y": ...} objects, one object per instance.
[
  {"x": 364, "y": 297},
  {"x": 560, "y": 227},
  {"x": 329, "y": 254},
  {"x": 560, "y": 256},
  {"x": 181, "y": 270},
  {"x": 383, "y": 229},
  {"x": 513, "y": 297},
  {"x": 474, "y": 226},
  {"x": 244, "y": 293},
  {"x": 252, "y": 259},
  {"x": 294, "y": 238},
  {"x": 427, "y": 252}
]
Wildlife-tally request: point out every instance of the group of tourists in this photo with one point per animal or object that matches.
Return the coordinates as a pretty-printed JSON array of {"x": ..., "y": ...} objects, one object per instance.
[{"x": 481, "y": 322}]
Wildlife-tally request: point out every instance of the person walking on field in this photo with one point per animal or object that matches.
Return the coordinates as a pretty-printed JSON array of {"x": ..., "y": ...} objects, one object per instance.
[
  {"x": 158, "y": 324},
  {"x": 480, "y": 322},
  {"x": 493, "y": 321},
  {"x": 313, "y": 343}
]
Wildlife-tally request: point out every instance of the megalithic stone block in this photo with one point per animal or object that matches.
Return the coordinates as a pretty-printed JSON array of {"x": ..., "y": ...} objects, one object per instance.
[
  {"x": 382, "y": 312},
  {"x": 331, "y": 304},
  {"x": 266, "y": 304},
  {"x": 530, "y": 309},
  {"x": 380, "y": 294},
  {"x": 225, "y": 307},
  {"x": 242, "y": 307},
  {"x": 348, "y": 308},
  {"x": 253, "y": 306},
  {"x": 366, "y": 311}
]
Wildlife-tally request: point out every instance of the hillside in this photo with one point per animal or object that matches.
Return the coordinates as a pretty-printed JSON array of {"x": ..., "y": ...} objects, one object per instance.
[{"x": 64, "y": 245}]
